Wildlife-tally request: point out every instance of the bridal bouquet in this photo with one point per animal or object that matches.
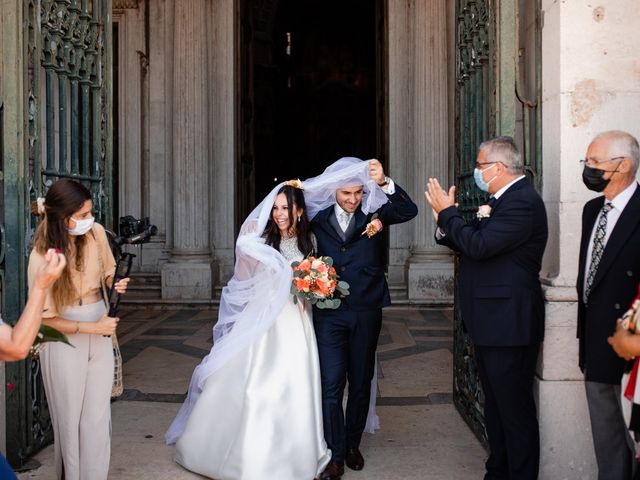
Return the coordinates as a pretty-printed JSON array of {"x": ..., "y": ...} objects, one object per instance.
[{"x": 316, "y": 280}]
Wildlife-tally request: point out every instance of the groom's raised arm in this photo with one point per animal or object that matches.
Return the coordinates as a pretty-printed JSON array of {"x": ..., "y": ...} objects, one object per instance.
[{"x": 400, "y": 208}]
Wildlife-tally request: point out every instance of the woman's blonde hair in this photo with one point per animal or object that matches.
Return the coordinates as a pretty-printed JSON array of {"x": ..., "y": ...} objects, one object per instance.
[{"x": 64, "y": 198}]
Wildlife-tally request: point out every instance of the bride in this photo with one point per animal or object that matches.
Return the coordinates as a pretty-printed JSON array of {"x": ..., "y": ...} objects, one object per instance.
[{"x": 254, "y": 407}]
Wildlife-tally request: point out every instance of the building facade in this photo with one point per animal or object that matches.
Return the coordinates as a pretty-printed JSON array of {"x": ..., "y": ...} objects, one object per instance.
[{"x": 211, "y": 102}]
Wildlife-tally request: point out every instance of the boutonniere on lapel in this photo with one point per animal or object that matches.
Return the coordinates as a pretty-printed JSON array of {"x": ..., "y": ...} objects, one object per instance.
[
  {"x": 484, "y": 211},
  {"x": 373, "y": 227}
]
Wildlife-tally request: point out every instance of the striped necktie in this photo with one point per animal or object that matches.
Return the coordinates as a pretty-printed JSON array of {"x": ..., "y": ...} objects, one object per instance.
[{"x": 598, "y": 248}]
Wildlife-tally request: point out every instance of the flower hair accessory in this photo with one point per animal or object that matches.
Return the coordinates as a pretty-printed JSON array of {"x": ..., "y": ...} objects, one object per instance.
[
  {"x": 295, "y": 183},
  {"x": 373, "y": 227},
  {"x": 484, "y": 211},
  {"x": 40, "y": 203}
]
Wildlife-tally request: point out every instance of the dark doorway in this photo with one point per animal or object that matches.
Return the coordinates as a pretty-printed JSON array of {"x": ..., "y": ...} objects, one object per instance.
[{"x": 311, "y": 89}]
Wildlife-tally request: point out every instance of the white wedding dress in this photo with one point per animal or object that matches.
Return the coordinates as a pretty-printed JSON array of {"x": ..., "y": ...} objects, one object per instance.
[{"x": 260, "y": 416}]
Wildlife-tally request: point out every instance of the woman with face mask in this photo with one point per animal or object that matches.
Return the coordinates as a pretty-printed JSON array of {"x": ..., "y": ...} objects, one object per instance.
[{"x": 77, "y": 380}]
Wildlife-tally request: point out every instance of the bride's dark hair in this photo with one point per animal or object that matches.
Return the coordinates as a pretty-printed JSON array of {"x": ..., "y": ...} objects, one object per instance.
[{"x": 303, "y": 227}]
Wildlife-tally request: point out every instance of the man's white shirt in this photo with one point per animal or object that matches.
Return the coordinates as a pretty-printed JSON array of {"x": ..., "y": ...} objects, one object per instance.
[{"x": 344, "y": 217}]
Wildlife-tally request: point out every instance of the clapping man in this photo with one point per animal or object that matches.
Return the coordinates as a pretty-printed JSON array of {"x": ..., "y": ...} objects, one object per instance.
[{"x": 501, "y": 300}]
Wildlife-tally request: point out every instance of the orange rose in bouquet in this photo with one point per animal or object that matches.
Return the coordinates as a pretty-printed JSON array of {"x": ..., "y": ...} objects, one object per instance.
[{"x": 315, "y": 280}]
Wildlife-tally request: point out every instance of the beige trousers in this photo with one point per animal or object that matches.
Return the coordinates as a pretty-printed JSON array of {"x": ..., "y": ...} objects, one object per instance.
[{"x": 78, "y": 384}]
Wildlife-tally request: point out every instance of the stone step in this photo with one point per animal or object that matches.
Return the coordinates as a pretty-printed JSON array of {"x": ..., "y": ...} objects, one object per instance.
[
  {"x": 145, "y": 278},
  {"x": 145, "y": 287},
  {"x": 143, "y": 291},
  {"x": 146, "y": 290},
  {"x": 165, "y": 304},
  {"x": 398, "y": 292}
]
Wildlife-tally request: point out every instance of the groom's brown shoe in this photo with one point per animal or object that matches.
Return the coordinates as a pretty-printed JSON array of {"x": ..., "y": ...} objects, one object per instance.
[
  {"x": 334, "y": 471},
  {"x": 354, "y": 459}
]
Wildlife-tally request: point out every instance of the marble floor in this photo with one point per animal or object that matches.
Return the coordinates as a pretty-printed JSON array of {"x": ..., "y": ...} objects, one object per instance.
[{"x": 421, "y": 437}]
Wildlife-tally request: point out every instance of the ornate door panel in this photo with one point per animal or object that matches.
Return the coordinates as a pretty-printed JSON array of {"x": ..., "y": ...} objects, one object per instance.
[
  {"x": 66, "y": 100},
  {"x": 475, "y": 122},
  {"x": 497, "y": 92}
]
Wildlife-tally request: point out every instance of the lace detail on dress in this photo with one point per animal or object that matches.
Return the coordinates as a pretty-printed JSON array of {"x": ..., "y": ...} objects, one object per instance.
[{"x": 289, "y": 249}]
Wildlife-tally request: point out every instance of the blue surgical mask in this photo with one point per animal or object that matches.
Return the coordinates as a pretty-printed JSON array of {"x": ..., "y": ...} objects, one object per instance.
[{"x": 477, "y": 176}]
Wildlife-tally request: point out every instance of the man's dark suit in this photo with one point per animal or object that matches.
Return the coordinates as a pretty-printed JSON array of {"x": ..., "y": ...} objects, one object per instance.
[
  {"x": 614, "y": 286},
  {"x": 347, "y": 337},
  {"x": 502, "y": 307}
]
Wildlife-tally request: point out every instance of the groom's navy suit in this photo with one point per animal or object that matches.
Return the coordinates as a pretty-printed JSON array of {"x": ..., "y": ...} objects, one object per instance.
[
  {"x": 502, "y": 306},
  {"x": 347, "y": 337}
]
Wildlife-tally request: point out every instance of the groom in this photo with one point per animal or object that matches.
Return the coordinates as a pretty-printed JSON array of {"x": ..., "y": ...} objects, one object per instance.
[{"x": 348, "y": 336}]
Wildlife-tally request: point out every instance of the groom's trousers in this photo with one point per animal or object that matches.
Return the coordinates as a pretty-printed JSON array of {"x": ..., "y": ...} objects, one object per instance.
[{"x": 347, "y": 344}]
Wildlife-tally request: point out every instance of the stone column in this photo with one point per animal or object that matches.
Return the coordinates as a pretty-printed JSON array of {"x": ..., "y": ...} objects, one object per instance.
[
  {"x": 188, "y": 274},
  {"x": 430, "y": 265},
  {"x": 582, "y": 43},
  {"x": 419, "y": 144},
  {"x": 222, "y": 36}
]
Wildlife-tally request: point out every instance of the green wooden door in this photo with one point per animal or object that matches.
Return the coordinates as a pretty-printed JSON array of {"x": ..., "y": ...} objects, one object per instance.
[
  {"x": 497, "y": 91},
  {"x": 475, "y": 122},
  {"x": 64, "y": 94}
]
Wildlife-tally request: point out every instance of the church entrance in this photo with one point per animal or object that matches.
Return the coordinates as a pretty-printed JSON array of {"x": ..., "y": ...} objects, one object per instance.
[{"x": 311, "y": 90}]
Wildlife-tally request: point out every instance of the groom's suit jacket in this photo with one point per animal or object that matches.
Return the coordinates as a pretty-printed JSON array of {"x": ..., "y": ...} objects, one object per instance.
[
  {"x": 357, "y": 258},
  {"x": 614, "y": 287},
  {"x": 498, "y": 288}
]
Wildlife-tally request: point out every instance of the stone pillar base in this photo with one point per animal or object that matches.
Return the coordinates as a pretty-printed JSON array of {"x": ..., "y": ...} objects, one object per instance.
[
  {"x": 562, "y": 408},
  {"x": 188, "y": 281},
  {"x": 431, "y": 279}
]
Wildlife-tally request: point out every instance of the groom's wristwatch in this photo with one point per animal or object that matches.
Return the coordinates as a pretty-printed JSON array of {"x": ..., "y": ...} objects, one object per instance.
[{"x": 386, "y": 182}]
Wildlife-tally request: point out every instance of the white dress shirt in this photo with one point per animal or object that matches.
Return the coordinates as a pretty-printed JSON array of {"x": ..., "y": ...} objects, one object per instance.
[
  {"x": 619, "y": 202},
  {"x": 500, "y": 192},
  {"x": 390, "y": 187},
  {"x": 343, "y": 217},
  {"x": 343, "y": 220}
]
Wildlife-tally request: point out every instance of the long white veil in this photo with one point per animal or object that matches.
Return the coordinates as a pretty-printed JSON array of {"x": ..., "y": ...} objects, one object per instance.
[{"x": 261, "y": 280}]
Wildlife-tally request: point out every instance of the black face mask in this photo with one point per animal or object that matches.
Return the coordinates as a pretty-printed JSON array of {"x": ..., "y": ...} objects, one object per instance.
[{"x": 593, "y": 178}]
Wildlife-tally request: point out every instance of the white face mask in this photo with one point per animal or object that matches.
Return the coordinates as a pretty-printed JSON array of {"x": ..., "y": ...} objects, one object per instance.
[{"x": 82, "y": 226}]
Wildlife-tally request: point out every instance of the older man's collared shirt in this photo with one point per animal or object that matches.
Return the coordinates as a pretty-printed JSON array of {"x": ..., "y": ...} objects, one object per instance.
[{"x": 500, "y": 192}]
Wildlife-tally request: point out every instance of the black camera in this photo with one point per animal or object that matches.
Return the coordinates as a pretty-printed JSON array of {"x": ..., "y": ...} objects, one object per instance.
[{"x": 134, "y": 231}]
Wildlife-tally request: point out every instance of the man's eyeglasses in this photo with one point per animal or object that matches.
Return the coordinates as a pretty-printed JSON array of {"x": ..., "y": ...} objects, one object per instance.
[
  {"x": 480, "y": 165},
  {"x": 590, "y": 162}
]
